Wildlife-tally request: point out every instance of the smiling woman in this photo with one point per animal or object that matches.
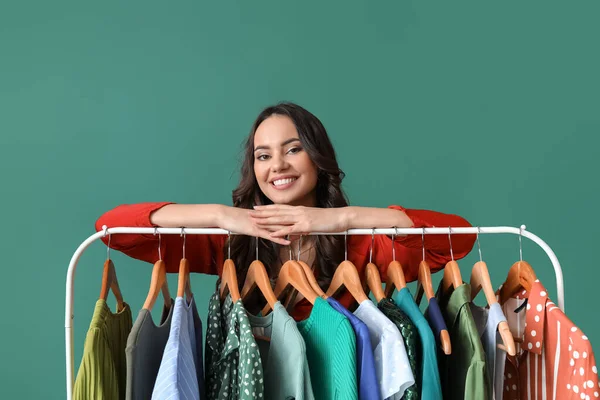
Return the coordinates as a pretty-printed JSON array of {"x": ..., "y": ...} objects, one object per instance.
[{"x": 290, "y": 184}]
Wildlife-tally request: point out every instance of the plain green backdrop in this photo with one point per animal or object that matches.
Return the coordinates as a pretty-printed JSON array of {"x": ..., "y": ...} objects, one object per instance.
[{"x": 484, "y": 109}]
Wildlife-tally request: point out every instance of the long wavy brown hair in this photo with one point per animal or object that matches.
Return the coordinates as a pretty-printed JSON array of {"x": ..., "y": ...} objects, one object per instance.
[{"x": 329, "y": 193}]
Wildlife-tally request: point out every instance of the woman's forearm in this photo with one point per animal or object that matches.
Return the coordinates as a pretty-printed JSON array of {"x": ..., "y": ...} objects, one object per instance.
[
  {"x": 371, "y": 217},
  {"x": 188, "y": 215}
]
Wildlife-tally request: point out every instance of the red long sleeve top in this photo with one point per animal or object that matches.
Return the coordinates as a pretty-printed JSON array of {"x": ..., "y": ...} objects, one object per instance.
[{"x": 205, "y": 252}]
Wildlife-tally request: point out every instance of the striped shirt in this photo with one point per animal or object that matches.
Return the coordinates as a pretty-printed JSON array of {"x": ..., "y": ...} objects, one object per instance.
[
  {"x": 177, "y": 378},
  {"x": 555, "y": 360}
]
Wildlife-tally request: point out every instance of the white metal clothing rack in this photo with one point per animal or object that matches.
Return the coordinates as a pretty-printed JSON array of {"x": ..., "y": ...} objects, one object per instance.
[{"x": 214, "y": 231}]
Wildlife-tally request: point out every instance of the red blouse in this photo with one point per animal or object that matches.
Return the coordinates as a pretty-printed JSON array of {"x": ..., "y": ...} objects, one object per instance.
[{"x": 205, "y": 252}]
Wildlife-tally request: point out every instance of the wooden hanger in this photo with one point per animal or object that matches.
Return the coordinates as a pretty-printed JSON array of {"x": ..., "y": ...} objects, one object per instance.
[
  {"x": 158, "y": 283},
  {"x": 395, "y": 278},
  {"x": 292, "y": 274},
  {"x": 229, "y": 282},
  {"x": 183, "y": 284},
  {"x": 520, "y": 276},
  {"x": 451, "y": 276},
  {"x": 257, "y": 277},
  {"x": 312, "y": 280},
  {"x": 480, "y": 279},
  {"x": 110, "y": 282},
  {"x": 346, "y": 275},
  {"x": 425, "y": 285},
  {"x": 374, "y": 281}
]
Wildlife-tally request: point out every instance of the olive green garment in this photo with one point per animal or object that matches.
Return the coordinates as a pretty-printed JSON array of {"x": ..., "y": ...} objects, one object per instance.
[
  {"x": 463, "y": 372},
  {"x": 103, "y": 370},
  {"x": 410, "y": 336}
]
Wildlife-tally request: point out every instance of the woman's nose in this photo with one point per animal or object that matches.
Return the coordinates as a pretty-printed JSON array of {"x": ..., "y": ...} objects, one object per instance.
[{"x": 278, "y": 164}]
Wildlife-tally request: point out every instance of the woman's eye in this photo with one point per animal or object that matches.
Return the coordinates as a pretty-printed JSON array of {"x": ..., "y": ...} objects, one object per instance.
[
  {"x": 262, "y": 157},
  {"x": 294, "y": 150}
]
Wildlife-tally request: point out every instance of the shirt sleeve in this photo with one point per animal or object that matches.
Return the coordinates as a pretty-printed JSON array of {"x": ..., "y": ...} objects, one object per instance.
[
  {"x": 409, "y": 248},
  {"x": 345, "y": 362},
  {"x": 204, "y": 252}
]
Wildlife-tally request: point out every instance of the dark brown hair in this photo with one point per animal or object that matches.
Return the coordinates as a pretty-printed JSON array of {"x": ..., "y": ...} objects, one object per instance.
[{"x": 329, "y": 193}]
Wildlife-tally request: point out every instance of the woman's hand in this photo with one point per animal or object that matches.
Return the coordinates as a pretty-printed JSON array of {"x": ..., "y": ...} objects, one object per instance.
[
  {"x": 282, "y": 220},
  {"x": 238, "y": 220}
]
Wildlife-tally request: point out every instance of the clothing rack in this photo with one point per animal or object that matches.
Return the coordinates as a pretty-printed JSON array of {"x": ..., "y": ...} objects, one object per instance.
[{"x": 215, "y": 231}]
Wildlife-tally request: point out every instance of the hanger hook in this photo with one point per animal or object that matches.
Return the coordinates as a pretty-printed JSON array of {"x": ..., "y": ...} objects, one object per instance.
[
  {"x": 155, "y": 232},
  {"x": 479, "y": 244},
  {"x": 184, "y": 236},
  {"x": 372, "y": 244},
  {"x": 393, "y": 242},
  {"x": 290, "y": 246},
  {"x": 346, "y": 245},
  {"x": 450, "y": 240},
  {"x": 299, "y": 246},
  {"x": 229, "y": 244},
  {"x": 107, "y": 247},
  {"x": 257, "y": 247},
  {"x": 423, "y": 242}
]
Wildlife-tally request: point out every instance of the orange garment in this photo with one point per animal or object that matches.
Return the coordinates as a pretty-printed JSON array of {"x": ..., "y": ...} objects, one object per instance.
[
  {"x": 205, "y": 252},
  {"x": 555, "y": 360}
]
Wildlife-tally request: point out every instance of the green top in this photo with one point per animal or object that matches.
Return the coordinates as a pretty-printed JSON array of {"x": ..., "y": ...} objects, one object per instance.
[
  {"x": 428, "y": 378},
  {"x": 409, "y": 333},
  {"x": 283, "y": 356},
  {"x": 233, "y": 365},
  {"x": 103, "y": 369},
  {"x": 331, "y": 353},
  {"x": 466, "y": 364}
]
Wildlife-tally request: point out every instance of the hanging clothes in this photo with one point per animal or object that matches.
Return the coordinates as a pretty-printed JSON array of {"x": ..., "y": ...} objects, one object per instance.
[
  {"x": 233, "y": 366},
  {"x": 331, "y": 352},
  {"x": 487, "y": 321},
  {"x": 368, "y": 388},
  {"x": 555, "y": 360},
  {"x": 177, "y": 376},
  {"x": 411, "y": 342},
  {"x": 391, "y": 361},
  {"x": 102, "y": 373},
  {"x": 286, "y": 372},
  {"x": 145, "y": 346},
  {"x": 466, "y": 364},
  {"x": 429, "y": 378}
]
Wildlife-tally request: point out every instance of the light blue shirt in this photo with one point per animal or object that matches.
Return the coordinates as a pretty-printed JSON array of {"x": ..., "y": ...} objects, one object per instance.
[
  {"x": 177, "y": 376},
  {"x": 487, "y": 321}
]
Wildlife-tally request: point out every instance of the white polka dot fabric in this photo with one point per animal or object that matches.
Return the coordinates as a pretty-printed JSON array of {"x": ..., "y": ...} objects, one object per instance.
[{"x": 555, "y": 360}]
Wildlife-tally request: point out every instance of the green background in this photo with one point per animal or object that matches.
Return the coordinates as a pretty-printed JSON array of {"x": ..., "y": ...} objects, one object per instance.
[{"x": 482, "y": 109}]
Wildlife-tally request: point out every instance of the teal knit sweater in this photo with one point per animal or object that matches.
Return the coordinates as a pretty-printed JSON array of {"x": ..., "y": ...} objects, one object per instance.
[{"x": 331, "y": 353}]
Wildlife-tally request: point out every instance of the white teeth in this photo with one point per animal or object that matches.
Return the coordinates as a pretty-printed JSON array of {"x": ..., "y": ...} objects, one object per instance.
[{"x": 279, "y": 182}]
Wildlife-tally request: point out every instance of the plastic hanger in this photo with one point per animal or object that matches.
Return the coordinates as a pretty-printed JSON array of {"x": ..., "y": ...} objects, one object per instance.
[
  {"x": 452, "y": 275},
  {"x": 480, "y": 279},
  {"x": 109, "y": 279},
  {"x": 183, "y": 284},
  {"x": 425, "y": 285},
  {"x": 257, "y": 277},
  {"x": 346, "y": 275},
  {"x": 520, "y": 276},
  {"x": 372, "y": 274},
  {"x": 158, "y": 282},
  {"x": 395, "y": 273},
  {"x": 229, "y": 282}
]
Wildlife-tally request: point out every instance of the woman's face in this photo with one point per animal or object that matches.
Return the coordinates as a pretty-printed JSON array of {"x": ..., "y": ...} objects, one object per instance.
[{"x": 284, "y": 171}]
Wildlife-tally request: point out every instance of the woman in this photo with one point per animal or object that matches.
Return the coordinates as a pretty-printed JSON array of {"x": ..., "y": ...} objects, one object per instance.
[{"x": 290, "y": 184}]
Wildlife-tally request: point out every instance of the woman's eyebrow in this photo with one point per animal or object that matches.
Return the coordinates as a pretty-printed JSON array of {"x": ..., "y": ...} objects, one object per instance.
[{"x": 282, "y": 144}]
